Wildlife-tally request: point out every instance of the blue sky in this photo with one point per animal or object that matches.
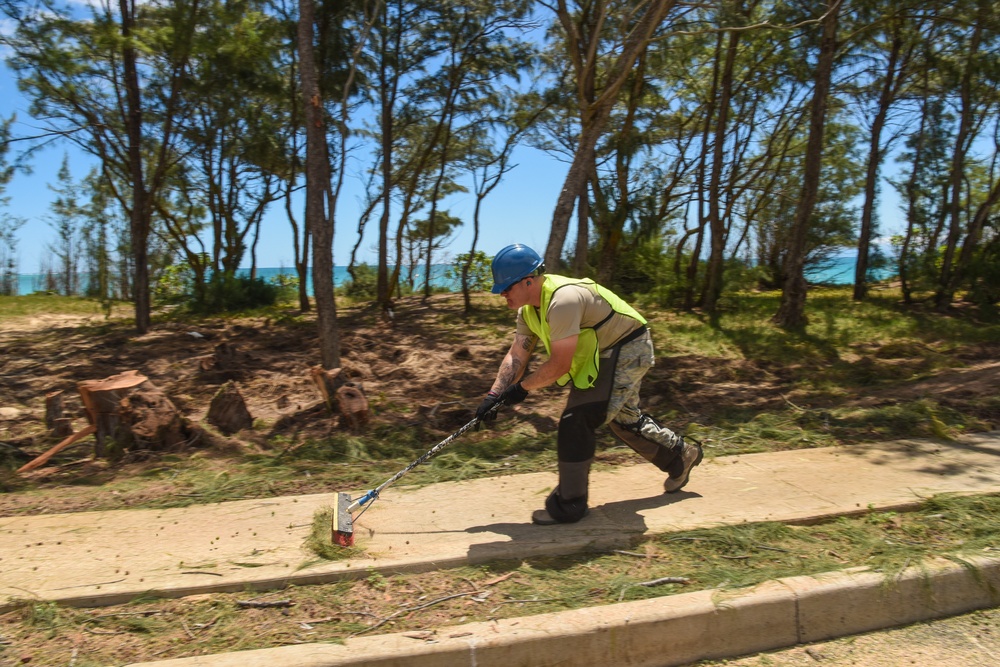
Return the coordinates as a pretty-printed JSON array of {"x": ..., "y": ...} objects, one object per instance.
[{"x": 517, "y": 211}]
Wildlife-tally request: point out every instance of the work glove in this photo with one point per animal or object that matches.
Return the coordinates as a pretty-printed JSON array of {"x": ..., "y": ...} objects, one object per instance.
[
  {"x": 513, "y": 394},
  {"x": 485, "y": 412}
]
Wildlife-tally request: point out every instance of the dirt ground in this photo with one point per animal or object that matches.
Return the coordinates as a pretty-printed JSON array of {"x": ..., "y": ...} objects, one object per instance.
[{"x": 427, "y": 366}]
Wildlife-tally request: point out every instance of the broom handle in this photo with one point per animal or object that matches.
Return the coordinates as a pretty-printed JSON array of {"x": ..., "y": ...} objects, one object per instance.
[{"x": 373, "y": 494}]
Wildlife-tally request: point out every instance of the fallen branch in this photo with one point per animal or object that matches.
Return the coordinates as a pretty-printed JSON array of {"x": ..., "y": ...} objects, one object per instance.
[
  {"x": 104, "y": 632},
  {"x": 41, "y": 460},
  {"x": 633, "y": 553},
  {"x": 263, "y": 604},
  {"x": 410, "y": 610},
  {"x": 664, "y": 580},
  {"x": 148, "y": 612},
  {"x": 654, "y": 582}
]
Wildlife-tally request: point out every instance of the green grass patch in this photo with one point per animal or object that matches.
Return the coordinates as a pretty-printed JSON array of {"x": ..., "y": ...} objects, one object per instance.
[{"x": 53, "y": 304}]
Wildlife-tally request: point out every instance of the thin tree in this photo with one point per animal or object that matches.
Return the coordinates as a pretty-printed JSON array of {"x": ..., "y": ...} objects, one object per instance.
[
  {"x": 65, "y": 220},
  {"x": 319, "y": 211},
  {"x": 582, "y": 50},
  {"x": 791, "y": 311}
]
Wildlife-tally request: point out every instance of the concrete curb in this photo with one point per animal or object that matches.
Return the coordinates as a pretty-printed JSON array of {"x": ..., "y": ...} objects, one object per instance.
[{"x": 666, "y": 631}]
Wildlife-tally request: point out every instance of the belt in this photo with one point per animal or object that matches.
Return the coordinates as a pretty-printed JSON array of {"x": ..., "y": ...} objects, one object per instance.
[{"x": 631, "y": 336}]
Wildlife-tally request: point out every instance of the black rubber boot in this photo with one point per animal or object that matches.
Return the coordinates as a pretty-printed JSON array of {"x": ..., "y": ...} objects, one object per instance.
[{"x": 568, "y": 502}]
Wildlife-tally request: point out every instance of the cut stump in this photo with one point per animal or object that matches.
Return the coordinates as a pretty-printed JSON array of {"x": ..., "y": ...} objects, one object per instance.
[
  {"x": 353, "y": 406},
  {"x": 228, "y": 411},
  {"x": 224, "y": 364},
  {"x": 131, "y": 411},
  {"x": 341, "y": 396},
  {"x": 58, "y": 424}
]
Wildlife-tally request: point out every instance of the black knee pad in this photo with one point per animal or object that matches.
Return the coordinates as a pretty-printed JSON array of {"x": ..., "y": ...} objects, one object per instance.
[{"x": 576, "y": 441}]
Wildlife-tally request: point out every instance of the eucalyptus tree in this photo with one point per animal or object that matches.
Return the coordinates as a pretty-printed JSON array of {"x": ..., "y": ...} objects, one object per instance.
[
  {"x": 481, "y": 51},
  {"x": 436, "y": 65},
  {"x": 102, "y": 228},
  {"x": 424, "y": 236},
  {"x": 791, "y": 310},
  {"x": 504, "y": 121},
  {"x": 329, "y": 43},
  {"x": 318, "y": 193},
  {"x": 602, "y": 40},
  {"x": 972, "y": 70},
  {"x": 238, "y": 113},
  {"x": 65, "y": 220},
  {"x": 109, "y": 79},
  {"x": 9, "y": 224},
  {"x": 923, "y": 188},
  {"x": 948, "y": 185},
  {"x": 397, "y": 51},
  {"x": 886, "y": 62}
]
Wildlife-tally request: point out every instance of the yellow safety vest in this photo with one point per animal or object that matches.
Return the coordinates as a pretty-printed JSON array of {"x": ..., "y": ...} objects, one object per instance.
[{"x": 586, "y": 360}]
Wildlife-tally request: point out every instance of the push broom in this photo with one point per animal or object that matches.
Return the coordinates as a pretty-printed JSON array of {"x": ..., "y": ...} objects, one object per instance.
[{"x": 343, "y": 515}]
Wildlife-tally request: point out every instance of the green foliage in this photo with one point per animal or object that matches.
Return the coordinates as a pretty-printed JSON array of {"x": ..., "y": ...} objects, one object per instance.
[
  {"x": 174, "y": 284},
  {"x": 363, "y": 283},
  {"x": 287, "y": 285},
  {"x": 645, "y": 273},
  {"x": 985, "y": 273},
  {"x": 228, "y": 293},
  {"x": 480, "y": 271}
]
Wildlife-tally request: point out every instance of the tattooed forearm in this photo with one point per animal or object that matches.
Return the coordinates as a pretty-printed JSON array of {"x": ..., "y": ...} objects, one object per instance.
[
  {"x": 509, "y": 371},
  {"x": 515, "y": 362}
]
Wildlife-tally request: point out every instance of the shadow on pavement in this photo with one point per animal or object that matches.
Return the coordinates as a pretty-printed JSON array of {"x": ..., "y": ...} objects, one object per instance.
[{"x": 614, "y": 525}]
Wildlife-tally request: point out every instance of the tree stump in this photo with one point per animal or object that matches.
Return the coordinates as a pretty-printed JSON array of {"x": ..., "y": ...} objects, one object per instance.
[
  {"x": 132, "y": 413},
  {"x": 228, "y": 411},
  {"x": 327, "y": 382},
  {"x": 353, "y": 406},
  {"x": 224, "y": 364},
  {"x": 58, "y": 424},
  {"x": 341, "y": 396}
]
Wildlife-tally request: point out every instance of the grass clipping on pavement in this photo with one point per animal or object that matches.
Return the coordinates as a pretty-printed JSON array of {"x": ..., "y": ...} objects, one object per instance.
[{"x": 725, "y": 558}]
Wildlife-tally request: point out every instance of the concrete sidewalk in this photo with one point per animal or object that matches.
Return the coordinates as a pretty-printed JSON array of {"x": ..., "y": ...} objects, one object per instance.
[{"x": 104, "y": 558}]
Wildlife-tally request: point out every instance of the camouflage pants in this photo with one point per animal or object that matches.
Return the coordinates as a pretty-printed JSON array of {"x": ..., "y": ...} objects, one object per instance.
[
  {"x": 661, "y": 444},
  {"x": 615, "y": 400},
  {"x": 635, "y": 358}
]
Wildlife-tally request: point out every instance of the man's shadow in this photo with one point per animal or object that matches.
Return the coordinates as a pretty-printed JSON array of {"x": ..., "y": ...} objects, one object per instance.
[{"x": 614, "y": 525}]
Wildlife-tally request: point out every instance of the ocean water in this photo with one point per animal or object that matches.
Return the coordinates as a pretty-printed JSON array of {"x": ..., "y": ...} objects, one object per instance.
[
  {"x": 836, "y": 271},
  {"x": 32, "y": 282},
  {"x": 840, "y": 271}
]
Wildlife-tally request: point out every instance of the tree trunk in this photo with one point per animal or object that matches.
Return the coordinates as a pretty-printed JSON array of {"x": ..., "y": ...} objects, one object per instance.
[
  {"x": 791, "y": 312},
  {"x": 875, "y": 153},
  {"x": 946, "y": 280},
  {"x": 716, "y": 257},
  {"x": 139, "y": 217},
  {"x": 58, "y": 424},
  {"x": 319, "y": 220},
  {"x": 387, "y": 99},
  {"x": 131, "y": 413},
  {"x": 582, "y": 235}
]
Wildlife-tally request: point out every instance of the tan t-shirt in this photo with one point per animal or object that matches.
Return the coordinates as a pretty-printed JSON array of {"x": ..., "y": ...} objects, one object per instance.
[{"x": 575, "y": 307}]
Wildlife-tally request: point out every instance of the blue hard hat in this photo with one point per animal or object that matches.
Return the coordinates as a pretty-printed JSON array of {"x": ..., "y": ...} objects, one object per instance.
[{"x": 512, "y": 264}]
